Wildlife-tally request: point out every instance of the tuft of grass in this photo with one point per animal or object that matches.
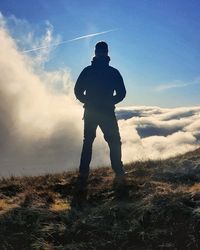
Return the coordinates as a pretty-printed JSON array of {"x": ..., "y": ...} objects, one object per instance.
[
  {"x": 60, "y": 205},
  {"x": 3, "y": 205}
]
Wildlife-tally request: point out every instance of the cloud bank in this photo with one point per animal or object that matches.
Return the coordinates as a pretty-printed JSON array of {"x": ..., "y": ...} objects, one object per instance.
[
  {"x": 158, "y": 133},
  {"x": 41, "y": 125},
  {"x": 35, "y": 117}
]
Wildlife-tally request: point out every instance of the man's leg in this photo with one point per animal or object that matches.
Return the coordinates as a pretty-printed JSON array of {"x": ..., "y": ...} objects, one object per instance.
[
  {"x": 90, "y": 126},
  {"x": 109, "y": 127}
]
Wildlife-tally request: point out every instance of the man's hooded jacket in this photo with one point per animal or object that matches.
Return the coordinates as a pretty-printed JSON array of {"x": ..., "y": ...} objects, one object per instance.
[{"x": 100, "y": 86}]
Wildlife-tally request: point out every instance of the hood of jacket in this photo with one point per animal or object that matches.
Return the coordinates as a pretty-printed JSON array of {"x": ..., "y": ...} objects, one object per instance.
[{"x": 100, "y": 61}]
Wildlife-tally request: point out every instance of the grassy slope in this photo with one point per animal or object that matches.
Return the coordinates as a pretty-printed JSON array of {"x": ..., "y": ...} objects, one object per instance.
[{"x": 159, "y": 209}]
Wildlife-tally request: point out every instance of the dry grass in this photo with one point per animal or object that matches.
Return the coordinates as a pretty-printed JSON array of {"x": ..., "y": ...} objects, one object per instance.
[{"x": 159, "y": 208}]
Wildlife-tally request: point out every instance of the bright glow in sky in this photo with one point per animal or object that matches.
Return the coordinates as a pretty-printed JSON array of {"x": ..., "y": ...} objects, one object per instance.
[{"x": 155, "y": 46}]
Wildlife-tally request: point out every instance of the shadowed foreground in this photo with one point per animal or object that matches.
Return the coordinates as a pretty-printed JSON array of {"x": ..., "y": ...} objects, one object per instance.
[{"x": 158, "y": 209}]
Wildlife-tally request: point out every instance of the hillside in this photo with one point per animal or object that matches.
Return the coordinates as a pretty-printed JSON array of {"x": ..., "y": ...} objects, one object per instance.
[{"x": 158, "y": 209}]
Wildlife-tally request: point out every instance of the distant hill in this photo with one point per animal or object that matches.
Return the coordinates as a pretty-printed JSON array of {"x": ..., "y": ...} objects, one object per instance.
[{"x": 159, "y": 208}]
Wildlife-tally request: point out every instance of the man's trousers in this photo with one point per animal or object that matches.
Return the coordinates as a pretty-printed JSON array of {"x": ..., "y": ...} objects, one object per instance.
[{"x": 107, "y": 122}]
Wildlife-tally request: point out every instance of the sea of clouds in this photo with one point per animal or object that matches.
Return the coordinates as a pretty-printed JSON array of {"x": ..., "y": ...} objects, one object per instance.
[{"x": 41, "y": 124}]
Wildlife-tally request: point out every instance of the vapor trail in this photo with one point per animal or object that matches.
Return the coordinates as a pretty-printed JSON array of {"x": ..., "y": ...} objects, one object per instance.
[{"x": 67, "y": 41}]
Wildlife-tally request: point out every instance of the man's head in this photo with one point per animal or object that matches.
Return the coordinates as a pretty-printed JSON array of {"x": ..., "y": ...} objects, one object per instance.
[{"x": 101, "y": 49}]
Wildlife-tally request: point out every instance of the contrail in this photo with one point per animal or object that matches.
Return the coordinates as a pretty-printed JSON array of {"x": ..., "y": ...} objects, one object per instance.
[{"x": 67, "y": 41}]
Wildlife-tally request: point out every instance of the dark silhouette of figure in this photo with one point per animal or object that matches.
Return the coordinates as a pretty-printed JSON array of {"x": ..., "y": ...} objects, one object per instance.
[{"x": 100, "y": 87}]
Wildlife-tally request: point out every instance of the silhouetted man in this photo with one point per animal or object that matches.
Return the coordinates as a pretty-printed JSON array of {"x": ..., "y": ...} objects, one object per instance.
[{"x": 100, "y": 87}]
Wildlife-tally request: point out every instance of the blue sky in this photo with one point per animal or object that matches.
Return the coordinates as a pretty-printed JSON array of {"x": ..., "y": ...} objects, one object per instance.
[{"x": 156, "y": 45}]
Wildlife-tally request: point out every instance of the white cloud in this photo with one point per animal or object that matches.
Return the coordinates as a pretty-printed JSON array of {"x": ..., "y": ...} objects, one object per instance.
[
  {"x": 156, "y": 133},
  {"x": 177, "y": 84}
]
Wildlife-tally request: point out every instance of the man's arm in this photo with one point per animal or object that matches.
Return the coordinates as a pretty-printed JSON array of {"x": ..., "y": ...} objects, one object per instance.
[
  {"x": 80, "y": 86},
  {"x": 119, "y": 88}
]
